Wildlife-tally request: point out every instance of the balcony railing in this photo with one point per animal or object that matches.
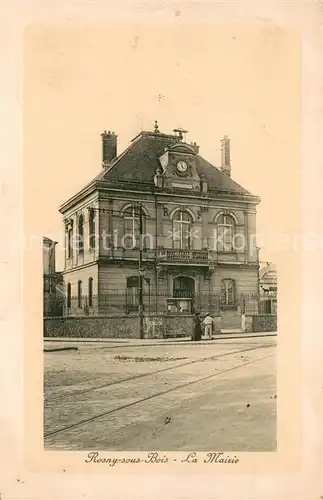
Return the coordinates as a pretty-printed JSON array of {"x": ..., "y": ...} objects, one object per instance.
[
  {"x": 184, "y": 256},
  {"x": 120, "y": 253},
  {"x": 161, "y": 254},
  {"x": 174, "y": 255}
]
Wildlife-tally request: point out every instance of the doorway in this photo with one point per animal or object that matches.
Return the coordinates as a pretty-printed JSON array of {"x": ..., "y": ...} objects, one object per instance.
[{"x": 183, "y": 287}]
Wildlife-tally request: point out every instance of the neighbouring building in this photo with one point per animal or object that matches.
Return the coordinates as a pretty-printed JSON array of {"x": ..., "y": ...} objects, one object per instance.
[
  {"x": 199, "y": 249},
  {"x": 53, "y": 291},
  {"x": 268, "y": 289}
]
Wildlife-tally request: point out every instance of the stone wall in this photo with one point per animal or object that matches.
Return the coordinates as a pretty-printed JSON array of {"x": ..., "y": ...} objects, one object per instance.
[
  {"x": 161, "y": 326},
  {"x": 93, "y": 326},
  {"x": 178, "y": 326},
  {"x": 264, "y": 323},
  {"x": 118, "y": 326}
]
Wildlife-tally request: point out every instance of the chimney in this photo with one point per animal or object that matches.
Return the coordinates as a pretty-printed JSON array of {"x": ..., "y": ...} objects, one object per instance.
[
  {"x": 195, "y": 147},
  {"x": 225, "y": 156},
  {"x": 109, "y": 147}
]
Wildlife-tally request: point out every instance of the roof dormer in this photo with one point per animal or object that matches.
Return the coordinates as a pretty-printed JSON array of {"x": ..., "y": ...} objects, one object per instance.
[{"x": 178, "y": 162}]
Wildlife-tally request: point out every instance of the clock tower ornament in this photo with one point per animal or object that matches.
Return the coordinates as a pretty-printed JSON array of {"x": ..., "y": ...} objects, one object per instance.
[
  {"x": 179, "y": 164},
  {"x": 182, "y": 167}
]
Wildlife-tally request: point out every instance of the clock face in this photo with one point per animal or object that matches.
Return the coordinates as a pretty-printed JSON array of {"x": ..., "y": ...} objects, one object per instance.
[{"x": 181, "y": 166}]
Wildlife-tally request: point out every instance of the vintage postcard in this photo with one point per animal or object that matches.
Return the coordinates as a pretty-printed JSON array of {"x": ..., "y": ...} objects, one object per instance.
[{"x": 163, "y": 254}]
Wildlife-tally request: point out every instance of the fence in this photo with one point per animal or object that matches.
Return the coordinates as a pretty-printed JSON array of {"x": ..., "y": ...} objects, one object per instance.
[
  {"x": 53, "y": 305},
  {"x": 125, "y": 303},
  {"x": 268, "y": 306}
]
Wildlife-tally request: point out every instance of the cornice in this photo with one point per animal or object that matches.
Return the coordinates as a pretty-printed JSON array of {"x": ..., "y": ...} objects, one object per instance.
[
  {"x": 82, "y": 266},
  {"x": 218, "y": 195},
  {"x": 101, "y": 186},
  {"x": 78, "y": 197}
]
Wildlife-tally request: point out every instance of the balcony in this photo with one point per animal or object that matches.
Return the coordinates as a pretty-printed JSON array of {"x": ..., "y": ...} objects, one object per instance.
[
  {"x": 177, "y": 256},
  {"x": 172, "y": 256},
  {"x": 119, "y": 253}
]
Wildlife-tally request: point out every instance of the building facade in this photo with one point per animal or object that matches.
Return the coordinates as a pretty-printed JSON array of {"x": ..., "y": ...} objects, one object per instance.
[
  {"x": 162, "y": 218},
  {"x": 53, "y": 282},
  {"x": 268, "y": 289}
]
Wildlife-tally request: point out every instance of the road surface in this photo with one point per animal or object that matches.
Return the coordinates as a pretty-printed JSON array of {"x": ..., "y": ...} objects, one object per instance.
[{"x": 175, "y": 396}]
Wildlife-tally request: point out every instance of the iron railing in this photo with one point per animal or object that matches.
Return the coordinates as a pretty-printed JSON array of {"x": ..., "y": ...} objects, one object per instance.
[
  {"x": 178, "y": 255},
  {"x": 124, "y": 303}
]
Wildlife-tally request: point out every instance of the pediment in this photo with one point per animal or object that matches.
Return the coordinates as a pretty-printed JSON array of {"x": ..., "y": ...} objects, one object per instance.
[{"x": 182, "y": 148}]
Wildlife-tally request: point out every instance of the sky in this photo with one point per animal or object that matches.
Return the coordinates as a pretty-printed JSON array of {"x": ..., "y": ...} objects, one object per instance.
[{"x": 212, "y": 80}]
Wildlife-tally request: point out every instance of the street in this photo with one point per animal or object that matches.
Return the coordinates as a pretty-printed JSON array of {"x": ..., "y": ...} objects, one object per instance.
[{"x": 170, "y": 396}]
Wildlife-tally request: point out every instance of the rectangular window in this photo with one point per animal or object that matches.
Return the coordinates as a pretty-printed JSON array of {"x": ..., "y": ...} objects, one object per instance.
[
  {"x": 131, "y": 233},
  {"x": 79, "y": 293},
  {"x": 91, "y": 229},
  {"x": 68, "y": 296},
  {"x": 90, "y": 292},
  {"x": 81, "y": 234},
  {"x": 132, "y": 293},
  {"x": 177, "y": 235},
  {"x": 181, "y": 235},
  {"x": 225, "y": 238},
  {"x": 70, "y": 243},
  {"x": 186, "y": 242},
  {"x": 228, "y": 292}
]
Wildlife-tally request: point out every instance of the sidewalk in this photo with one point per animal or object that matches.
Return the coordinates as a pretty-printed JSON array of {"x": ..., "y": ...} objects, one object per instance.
[{"x": 150, "y": 342}]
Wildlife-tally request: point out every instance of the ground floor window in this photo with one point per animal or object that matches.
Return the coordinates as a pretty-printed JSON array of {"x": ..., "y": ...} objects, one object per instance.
[
  {"x": 79, "y": 293},
  {"x": 132, "y": 293},
  {"x": 228, "y": 292},
  {"x": 69, "y": 296},
  {"x": 90, "y": 292}
]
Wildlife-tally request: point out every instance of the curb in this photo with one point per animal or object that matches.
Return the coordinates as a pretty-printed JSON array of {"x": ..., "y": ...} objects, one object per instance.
[
  {"x": 149, "y": 342},
  {"x": 55, "y": 349}
]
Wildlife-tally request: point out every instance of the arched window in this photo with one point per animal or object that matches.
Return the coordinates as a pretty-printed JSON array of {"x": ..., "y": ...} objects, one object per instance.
[
  {"x": 79, "y": 293},
  {"x": 68, "y": 302},
  {"x": 182, "y": 227},
  {"x": 91, "y": 229},
  {"x": 228, "y": 292},
  {"x": 81, "y": 234},
  {"x": 90, "y": 292},
  {"x": 225, "y": 233}
]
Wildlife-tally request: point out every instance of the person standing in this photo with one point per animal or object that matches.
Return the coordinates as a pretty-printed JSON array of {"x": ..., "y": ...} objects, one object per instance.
[
  {"x": 208, "y": 326},
  {"x": 197, "y": 328}
]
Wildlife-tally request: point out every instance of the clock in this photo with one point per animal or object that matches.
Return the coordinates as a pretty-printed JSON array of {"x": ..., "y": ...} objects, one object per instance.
[{"x": 182, "y": 166}]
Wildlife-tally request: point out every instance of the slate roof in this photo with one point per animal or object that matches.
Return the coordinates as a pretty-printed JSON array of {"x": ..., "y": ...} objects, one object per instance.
[
  {"x": 136, "y": 167},
  {"x": 139, "y": 162}
]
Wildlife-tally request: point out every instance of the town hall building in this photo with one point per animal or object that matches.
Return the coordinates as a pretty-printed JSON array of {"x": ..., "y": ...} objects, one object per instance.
[{"x": 163, "y": 229}]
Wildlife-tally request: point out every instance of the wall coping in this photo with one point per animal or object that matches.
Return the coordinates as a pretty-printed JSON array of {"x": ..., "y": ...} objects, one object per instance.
[
  {"x": 117, "y": 316},
  {"x": 261, "y": 315},
  {"x": 123, "y": 316},
  {"x": 271, "y": 315}
]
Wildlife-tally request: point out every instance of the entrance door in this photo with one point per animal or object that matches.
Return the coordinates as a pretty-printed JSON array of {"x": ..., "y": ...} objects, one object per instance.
[{"x": 183, "y": 288}]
